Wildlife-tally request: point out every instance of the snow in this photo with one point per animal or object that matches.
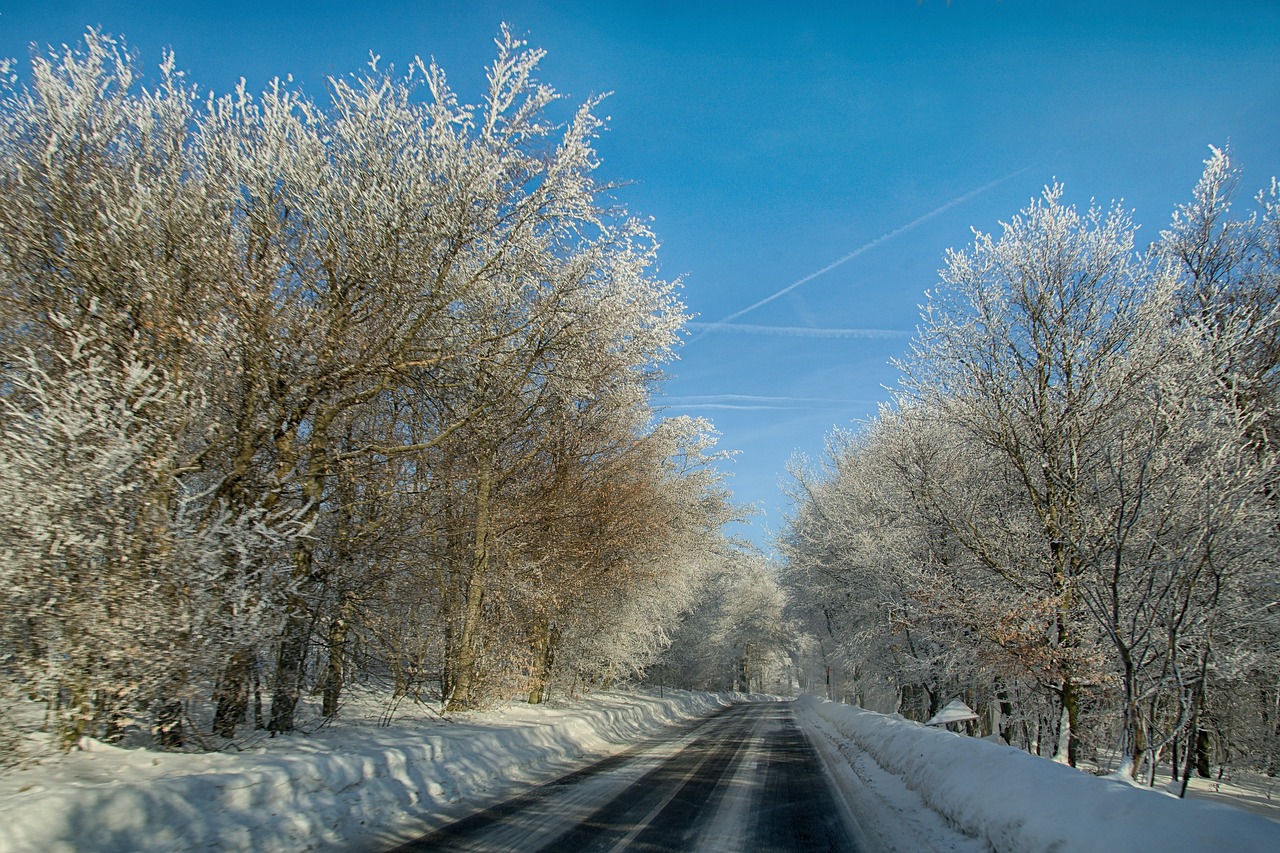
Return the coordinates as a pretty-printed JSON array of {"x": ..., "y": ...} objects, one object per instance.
[
  {"x": 987, "y": 796},
  {"x": 886, "y": 815},
  {"x": 345, "y": 783},
  {"x": 954, "y": 711},
  {"x": 355, "y": 784}
]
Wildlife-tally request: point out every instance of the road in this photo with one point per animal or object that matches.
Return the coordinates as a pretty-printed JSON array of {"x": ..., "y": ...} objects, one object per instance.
[{"x": 745, "y": 779}]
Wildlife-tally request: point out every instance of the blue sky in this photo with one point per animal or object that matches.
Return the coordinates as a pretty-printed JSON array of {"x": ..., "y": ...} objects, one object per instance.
[{"x": 768, "y": 144}]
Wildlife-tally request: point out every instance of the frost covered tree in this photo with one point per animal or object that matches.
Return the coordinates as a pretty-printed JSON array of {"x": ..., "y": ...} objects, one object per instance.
[
  {"x": 1228, "y": 286},
  {"x": 1228, "y": 308},
  {"x": 1024, "y": 346},
  {"x": 329, "y": 355},
  {"x": 111, "y": 331},
  {"x": 661, "y": 559},
  {"x": 739, "y": 635},
  {"x": 1069, "y": 512},
  {"x": 888, "y": 590},
  {"x": 120, "y": 584}
]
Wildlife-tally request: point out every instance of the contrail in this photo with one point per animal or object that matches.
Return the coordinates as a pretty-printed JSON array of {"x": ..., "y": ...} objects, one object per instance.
[
  {"x": 795, "y": 331},
  {"x": 865, "y": 247},
  {"x": 750, "y": 402}
]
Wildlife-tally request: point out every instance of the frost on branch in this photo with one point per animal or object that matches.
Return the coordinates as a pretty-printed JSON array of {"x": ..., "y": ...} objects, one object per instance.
[
  {"x": 1068, "y": 517},
  {"x": 299, "y": 394},
  {"x": 114, "y": 575}
]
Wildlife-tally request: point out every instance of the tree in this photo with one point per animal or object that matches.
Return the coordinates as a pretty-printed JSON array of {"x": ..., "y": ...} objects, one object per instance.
[
  {"x": 890, "y": 590},
  {"x": 1075, "y": 488},
  {"x": 738, "y": 636},
  {"x": 114, "y": 571},
  {"x": 1227, "y": 290},
  {"x": 1026, "y": 348},
  {"x": 339, "y": 361}
]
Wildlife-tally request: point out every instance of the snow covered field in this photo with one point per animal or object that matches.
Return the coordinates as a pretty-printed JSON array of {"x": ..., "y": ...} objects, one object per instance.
[{"x": 357, "y": 785}]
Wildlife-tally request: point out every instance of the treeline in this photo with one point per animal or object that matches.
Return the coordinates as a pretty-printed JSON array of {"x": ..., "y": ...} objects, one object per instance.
[
  {"x": 297, "y": 393},
  {"x": 1068, "y": 517},
  {"x": 738, "y": 636}
]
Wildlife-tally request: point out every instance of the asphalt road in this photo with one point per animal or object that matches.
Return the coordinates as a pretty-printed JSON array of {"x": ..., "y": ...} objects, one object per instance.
[{"x": 745, "y": 779}]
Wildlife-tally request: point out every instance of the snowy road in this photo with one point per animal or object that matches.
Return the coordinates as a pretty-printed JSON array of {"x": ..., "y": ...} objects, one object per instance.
[{"x": 743, "y": 779}]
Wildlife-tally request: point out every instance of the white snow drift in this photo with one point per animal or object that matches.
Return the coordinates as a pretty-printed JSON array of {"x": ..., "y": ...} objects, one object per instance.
[
  {"x": 351, "y": 783},
  {"x": 1007, "y": 800}
]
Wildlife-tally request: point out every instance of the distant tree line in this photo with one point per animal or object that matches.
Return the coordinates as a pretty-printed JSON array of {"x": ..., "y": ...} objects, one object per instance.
[
  {"x": 1068, "y": 516},
  {"x": 738, "y": 636},
  {"x": 295, "y": 395}
]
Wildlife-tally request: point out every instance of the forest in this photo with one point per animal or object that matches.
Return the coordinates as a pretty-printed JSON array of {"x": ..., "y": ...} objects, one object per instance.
[
  {"x": 1067, "y": 514},
  {"x": 300, "y": 395}
]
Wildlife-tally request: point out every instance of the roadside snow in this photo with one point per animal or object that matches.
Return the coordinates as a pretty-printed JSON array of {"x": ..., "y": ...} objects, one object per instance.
[
  {"x": 886, "y": 815},
  {"x": 991, "y": 796},
  {"x": 1238, "y": 787},
  {"x": 357, "y": 785},
  {"x": 352, "y": 782}
]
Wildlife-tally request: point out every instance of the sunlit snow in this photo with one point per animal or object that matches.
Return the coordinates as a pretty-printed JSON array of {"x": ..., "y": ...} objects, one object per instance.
[{"x": 907, "y": 786}]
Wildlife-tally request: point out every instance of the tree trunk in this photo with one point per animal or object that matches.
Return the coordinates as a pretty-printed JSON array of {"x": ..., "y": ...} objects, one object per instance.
[
  {"x": 1202, "y": 753},
  {"x": 291, "y": 654},
  {"x": 335, "y": 670},
  {"x": 1191, "y": 756},
  {"x": 1139, "y": 745},
  {"x": 1071, "y": 707},
  {"x": 259, "y": 721},
  {"x": 1006, "y": 715},
  {"x": 167, "y": 728},
  {"x": 290, "y": 667},
  {"x": 543, "y": 659},
  {"x": 1132, "y": 741},
  {"x": 1068, "y": 740},
  {"x": 1272, "y": 704},
  {"x": 232, "y": 694},
  {"x": 1068, "y": 724},
  {"x": 467, "y": 654}
]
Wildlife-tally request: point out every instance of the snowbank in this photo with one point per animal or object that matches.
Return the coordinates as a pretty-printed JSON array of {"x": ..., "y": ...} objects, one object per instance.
[
  {"x": 1013, "y": 801},
  {"x": 349, "y": 782}
]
